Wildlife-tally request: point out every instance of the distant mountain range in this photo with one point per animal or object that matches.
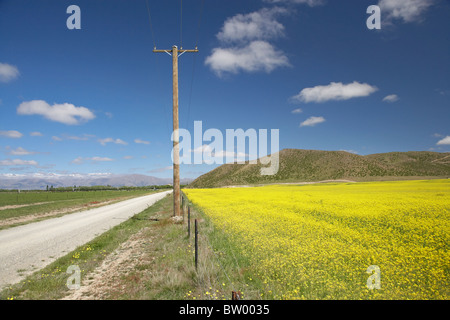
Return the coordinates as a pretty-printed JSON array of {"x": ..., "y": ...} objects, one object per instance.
[
  {"x": 41, "y": 181},
  {"x": 295, "y": 166},
  {"x": 314, "y": 165}
]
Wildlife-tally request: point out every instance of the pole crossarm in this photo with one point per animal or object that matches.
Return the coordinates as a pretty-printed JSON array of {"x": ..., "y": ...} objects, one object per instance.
[{"x": 180, "y": 51}]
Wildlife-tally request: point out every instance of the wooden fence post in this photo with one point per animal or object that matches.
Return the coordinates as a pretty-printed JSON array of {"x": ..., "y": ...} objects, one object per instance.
[
  {"x": 196, "y": 245},
  {"x": 236, "y": 295},
  {"x": 189, "y": 222}
]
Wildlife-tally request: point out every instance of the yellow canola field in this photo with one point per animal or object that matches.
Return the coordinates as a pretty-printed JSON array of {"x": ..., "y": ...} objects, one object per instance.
[{"x": 317, "y": 241}]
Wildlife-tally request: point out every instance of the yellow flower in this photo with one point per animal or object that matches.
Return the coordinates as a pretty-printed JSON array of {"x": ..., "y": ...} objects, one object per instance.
[{"x": 317, "y": 241}]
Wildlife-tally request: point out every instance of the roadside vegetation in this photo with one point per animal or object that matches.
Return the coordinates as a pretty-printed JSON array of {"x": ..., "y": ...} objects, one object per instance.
[{"x": 149, "y": 256}]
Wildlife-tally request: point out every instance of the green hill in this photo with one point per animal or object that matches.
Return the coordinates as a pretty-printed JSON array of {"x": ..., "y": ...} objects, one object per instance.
[{"x": 314, "y": 165}]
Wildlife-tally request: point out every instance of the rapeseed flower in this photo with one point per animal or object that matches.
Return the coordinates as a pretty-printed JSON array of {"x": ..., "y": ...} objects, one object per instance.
[{"x": 317, "y": 241}]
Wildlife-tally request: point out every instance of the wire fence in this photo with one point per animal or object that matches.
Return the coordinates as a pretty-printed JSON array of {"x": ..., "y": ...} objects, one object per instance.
[{"x": 186, "y": 209}]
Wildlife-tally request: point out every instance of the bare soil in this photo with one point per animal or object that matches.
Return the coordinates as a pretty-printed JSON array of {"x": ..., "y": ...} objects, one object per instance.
[
  {"x": 108, "y": 277},
  {"x": 15, "y": 206}
]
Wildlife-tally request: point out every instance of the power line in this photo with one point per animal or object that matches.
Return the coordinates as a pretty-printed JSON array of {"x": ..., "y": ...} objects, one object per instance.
[
  {"x": 158, "y": 73},
  {"x": 194, "y": 63},
  {"x": 190, "y": 91},
  {"x": 151, "y": 26},
  {"x": 181, "y": 24},
  {"x": 199, "y": 22},
  {"x": 181, "y": 46}
]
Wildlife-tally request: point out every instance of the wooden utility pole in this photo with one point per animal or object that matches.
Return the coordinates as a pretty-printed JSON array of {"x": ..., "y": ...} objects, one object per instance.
[{"x": 175, "y": 53}]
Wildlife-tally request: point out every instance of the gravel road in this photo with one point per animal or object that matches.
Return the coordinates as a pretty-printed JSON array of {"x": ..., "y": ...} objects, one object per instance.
[{"x": 33, "y": 246}]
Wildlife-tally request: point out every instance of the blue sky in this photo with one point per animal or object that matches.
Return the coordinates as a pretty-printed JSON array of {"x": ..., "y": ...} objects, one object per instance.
[{"x": 99, "y": 100}]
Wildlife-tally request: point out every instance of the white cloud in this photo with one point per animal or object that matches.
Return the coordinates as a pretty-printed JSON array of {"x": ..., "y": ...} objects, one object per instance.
[
  {"x": 202, "y": 149},
  {"x": 311, "y": 3},
  {"x": 18, "y": 162},
  {"x": 256, "y": 25},
  {"x": 312, "y": 121},
  {"x": 159, "y": 170},
  {"x": 36, "y": 134},
  {"x": 244, "y": 43},
  {"x": 297, "y": 111},
  {"x": 444, "y": 141},
  {"x": 64, "y": 113},
  {"x": 229, "y": 154},
  {"x": 81, "y": 160},
  {"x": 83, "y": 137},
  {"x": 128, "y": 157},
  {"x": 406, "y": 10},
  {"x": 78, "y": 160},
  {"x": 100, "y": 159},
  {"x": 256, "y": 56},
  {"x": 442, "y": 92},
  {"x": 120, "y": 141},
  {"x": 207, "y": 151},
  {"x": 141, "y": 141},
  {"x": 11, "y": 134},
  {"x": 335, "y": 91},
  {"x": 21, "y": 152},
  {"x": 8, "y": 72},
  {"x": 103, "y": 142},
  {"x": 391, "y": 98}
]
